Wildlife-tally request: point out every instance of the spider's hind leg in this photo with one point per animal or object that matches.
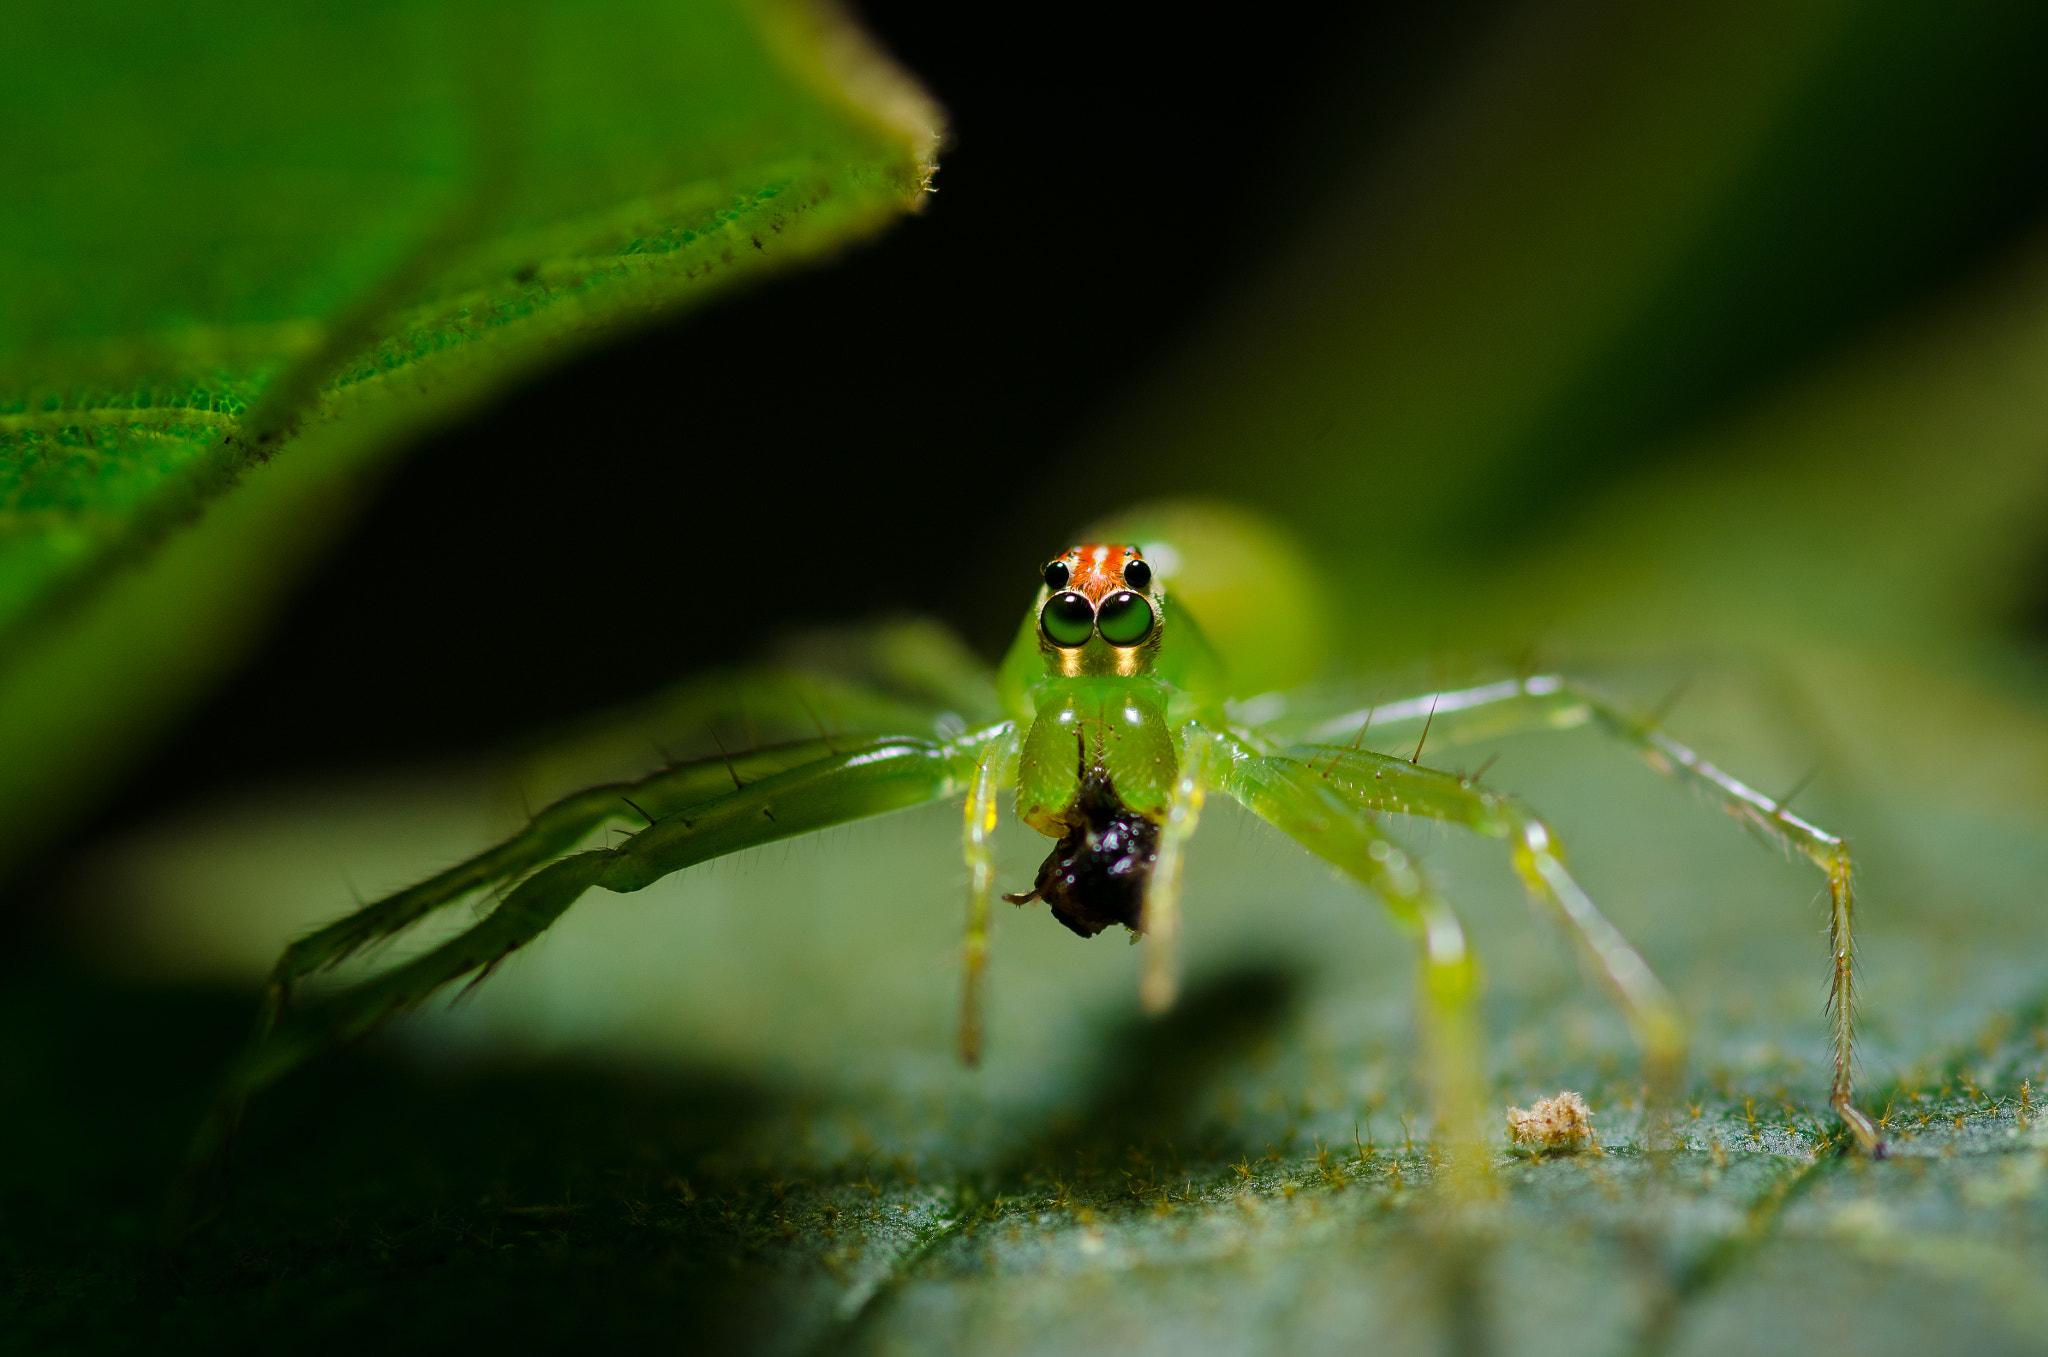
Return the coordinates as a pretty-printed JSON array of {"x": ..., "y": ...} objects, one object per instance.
[
  {"x": 1551, "y": 702},
  {"x": 1772, "y": 822}
]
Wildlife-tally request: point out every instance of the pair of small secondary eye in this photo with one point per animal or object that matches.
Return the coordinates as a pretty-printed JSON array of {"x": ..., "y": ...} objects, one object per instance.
[
  {"x": 1137, "y": 574},
  {"x": 1069, "y": 619}
]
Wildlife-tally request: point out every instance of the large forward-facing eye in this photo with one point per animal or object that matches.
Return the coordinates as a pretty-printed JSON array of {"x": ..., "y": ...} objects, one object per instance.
[
  {"x": 1068, "y": 620},
  {"x": 1125, "y": 618}
]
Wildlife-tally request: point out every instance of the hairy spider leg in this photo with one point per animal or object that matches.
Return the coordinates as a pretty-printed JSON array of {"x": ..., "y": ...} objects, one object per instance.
[
  {"x": 549, "y": 834},
  {"x": 904, "y": 655},
  {"x": 1160, "y": 983},
  {"x": 1383, "y": 782},
  {"x": 868, "y": 779},
  {"x": 1555, "y": 703},
  {"x": 994, "y": 772},
  {"x": 1292, "y": 797},
  {"x": 861, "y": 779}
]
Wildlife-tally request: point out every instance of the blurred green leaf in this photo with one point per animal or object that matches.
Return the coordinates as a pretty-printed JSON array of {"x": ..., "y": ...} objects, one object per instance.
[{"x": 250, "y": 247}]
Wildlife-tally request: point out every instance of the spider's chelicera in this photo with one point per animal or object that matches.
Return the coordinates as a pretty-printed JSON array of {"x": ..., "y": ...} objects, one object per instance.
[{"x": 1106, "y": 725}]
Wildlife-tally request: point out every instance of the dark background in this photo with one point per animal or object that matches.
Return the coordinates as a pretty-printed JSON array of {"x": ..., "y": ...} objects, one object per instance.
[{"x": 1113, "y": 171}]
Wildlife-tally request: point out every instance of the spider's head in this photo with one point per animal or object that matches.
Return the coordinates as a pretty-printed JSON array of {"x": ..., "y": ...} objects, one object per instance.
[{"x": 1101, "y": 612}]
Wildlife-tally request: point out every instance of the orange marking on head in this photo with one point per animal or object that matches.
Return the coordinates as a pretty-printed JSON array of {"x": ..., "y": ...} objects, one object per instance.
[{"x": 1098, "y": 570}]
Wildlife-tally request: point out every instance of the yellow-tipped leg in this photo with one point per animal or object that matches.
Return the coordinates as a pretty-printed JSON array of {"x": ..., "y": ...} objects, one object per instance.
[
  {"x": 1453, "y": 1046},
  {"x": 1841, "y": 997},
  {"x": 996, "y": 770},
  {"x": 1773, "y": 822},
  {"x": 1653, "y": 1015},
  {"x": 1370, "y": 781},
  {"x": 1296, "y": 799},
  {"x": 1160, "y": 984}
]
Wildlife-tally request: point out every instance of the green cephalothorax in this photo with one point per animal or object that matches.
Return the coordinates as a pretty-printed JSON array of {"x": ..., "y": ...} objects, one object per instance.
[
  {"x": 1098, "y": 762},
  {"x": 1112, "y": 716}
]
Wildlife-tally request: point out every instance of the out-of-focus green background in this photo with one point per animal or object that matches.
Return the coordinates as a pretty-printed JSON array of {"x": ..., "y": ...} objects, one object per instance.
[{"x": 1704, "y": 347}]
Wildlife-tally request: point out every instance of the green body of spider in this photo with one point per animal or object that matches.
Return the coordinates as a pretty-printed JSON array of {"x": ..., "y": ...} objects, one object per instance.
[{"x": 1112, "y": 716}]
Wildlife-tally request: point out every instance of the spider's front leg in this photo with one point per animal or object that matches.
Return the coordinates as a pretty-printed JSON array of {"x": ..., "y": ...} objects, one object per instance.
[
  {"x": 853, "y": 781},
  {"x": 1293, "y": 797},
  {"x": 1555, "y": 703},
  {"x": 866, "y": 779},
  {"x": 548, "y": 835}
]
